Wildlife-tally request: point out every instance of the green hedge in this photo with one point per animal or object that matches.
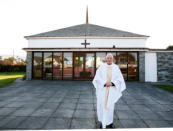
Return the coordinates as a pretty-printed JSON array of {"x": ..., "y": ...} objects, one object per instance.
[{"x": 13, "y": 68}]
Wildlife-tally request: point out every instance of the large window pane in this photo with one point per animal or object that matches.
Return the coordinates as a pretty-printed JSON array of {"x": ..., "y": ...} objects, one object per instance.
[
  {"x": 67, "y": 69},
  {"x": 89, "y": 65},
  {"x": 37, "y": 65},
  {"x": 122, "y": 63},
  {"x": 100, "y": 58},
  {"x": 132, "y": 66},
  {"x": 57, "y": 65},
  {"x": 47, "y": 70},
  {"x": 79, "y": 65}
]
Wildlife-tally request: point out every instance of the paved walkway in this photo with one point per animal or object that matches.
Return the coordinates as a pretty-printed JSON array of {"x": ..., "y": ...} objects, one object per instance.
[{"x": 47, "y": 104}]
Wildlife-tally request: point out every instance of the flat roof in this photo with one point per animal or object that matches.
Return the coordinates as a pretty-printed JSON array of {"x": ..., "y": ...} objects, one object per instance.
[{"x": 97, "y": 49}]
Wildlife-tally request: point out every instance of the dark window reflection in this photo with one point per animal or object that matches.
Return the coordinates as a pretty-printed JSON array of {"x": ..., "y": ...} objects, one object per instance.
[
  {"x": 100, "y": 58},
  {"x": 37, "y": 65},
  {"x": 89, "y": 65},
  {"x": 122, "y": 63},
  {"x": 79, "y": 65},
  {"x": 47, "y": 70},
  {"x": 132, "y": 66},
  {"x": 57, "y": 65},
  {"x": 67, "y": 70}
]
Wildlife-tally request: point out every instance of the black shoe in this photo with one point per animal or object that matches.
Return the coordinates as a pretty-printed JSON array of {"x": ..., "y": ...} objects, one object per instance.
[
  {"x": 100, "y": 125},
  {"x": 110, "y": 126}
]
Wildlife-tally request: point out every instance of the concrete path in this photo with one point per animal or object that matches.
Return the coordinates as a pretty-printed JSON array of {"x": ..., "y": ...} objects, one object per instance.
[{"x": 47, "y": 104}]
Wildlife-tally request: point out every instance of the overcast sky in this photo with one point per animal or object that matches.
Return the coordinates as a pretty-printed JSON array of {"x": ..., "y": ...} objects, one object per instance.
[{"x": 19, "y": 18}]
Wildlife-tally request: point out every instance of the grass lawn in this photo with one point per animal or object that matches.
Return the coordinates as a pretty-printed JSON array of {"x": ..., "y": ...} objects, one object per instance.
[
  {"x": 7, "y": 78},
  {"x": 166, "y": 87}
]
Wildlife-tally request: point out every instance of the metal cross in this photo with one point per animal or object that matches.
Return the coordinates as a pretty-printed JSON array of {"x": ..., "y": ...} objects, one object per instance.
[{"x": 85, "y": 43}]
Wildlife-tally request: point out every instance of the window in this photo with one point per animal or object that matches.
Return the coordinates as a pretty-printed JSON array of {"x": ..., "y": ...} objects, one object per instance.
[
  {"x": 122, "y": 63},
  {"x": 89, "y": 65},
  {"x": 37, "y": 65},
  {"x": 132, "y": 66},
  {"x": 57, "y": 65},
  {"x": 100, "y": 58},
  {"x": 67, "y": 69},
  {"x": 47, "y": 67}
]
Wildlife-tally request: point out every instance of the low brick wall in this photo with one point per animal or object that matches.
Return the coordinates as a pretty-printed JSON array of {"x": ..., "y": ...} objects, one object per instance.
[
  {"x": 29, "y": 66},
  {"x": 165, "y": 66},
  {"x": 142, "y": 66}
]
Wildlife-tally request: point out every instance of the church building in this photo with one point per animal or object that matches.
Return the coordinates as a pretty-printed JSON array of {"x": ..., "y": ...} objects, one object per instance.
[{"x": 75, "y": 53}]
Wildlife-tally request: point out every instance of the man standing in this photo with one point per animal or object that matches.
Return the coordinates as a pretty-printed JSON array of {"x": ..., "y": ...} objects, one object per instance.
[{"x": 109, "y": 84}]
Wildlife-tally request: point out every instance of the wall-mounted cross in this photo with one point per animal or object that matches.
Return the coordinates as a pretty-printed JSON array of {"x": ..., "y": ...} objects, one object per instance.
[{"x": 85, "y": 43}]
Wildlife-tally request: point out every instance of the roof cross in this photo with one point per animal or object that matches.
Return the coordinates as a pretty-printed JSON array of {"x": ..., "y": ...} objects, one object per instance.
[{"x": 85, "y": 43}]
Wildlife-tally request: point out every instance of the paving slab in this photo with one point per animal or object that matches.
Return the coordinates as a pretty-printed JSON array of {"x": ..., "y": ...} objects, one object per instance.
[
  {"x": 157, "y": 123},
  {"x": 43, "y": 112},
  {"x": 13, "y": 123},
  {"x": 84, "y": 114},
  {"x": 69, "y": 100},
  {"x": 167, "y": 115},
  {"x": 50, "y": 105},
  {"x": 7, "y": 111},
  {"x": 121, "y": 107},
  {"x": 63, "y": 113},
  {"x": 67, "y": 106},
  {"x": 84, "y": 100},
  {"x": 3, "y": 103},
  {"x": 79, "y": 123},
  {"x": 149, "y": 115},
  {"x": 5, "y": 120},
  {"x": 136, "y": 107},
  {"x": 15, "y": 104},
  {"x": 85, "y": 106},
  {"x": 133, "y": 123},
  {"x": 57, "y": 123},
  {"x": 127, "y": 114},
  {"x": 33, "y": 123},
  {"x": 23, "y": 112}
]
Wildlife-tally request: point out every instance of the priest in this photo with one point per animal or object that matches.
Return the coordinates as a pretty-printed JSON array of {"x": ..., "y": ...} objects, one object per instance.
[{"x": 109, "y": 84}]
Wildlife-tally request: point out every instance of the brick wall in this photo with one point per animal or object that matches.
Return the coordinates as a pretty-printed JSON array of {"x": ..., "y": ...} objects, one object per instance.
[{"x": 165, "y": 66}]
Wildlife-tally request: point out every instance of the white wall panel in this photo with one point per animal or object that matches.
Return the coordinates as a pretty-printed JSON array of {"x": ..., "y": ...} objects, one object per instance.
[
  {"x": 150, "y": 67},
  {"x": 71, "y": 43}
]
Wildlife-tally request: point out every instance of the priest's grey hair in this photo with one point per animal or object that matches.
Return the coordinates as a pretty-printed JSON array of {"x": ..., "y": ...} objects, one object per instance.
[{"x": 109, "y": 54}]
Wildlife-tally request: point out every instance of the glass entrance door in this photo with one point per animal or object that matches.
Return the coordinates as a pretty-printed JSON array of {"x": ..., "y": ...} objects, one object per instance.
[
  {"x": 78, "y": 65},
  {"x": 83, "y": 66}
]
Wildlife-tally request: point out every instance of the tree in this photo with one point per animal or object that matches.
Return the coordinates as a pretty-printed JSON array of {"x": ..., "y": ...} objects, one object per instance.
[
  {"x": 170, "y": 47},
  {"x": 11, "y": 59}
]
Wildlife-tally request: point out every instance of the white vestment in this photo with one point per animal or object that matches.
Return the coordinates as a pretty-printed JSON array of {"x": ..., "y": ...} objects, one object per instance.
[{"x": 115, "y": 92}]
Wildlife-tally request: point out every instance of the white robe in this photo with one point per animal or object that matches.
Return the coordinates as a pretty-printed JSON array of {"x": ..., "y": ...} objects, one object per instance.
[{"x": 115, "y": 92}]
